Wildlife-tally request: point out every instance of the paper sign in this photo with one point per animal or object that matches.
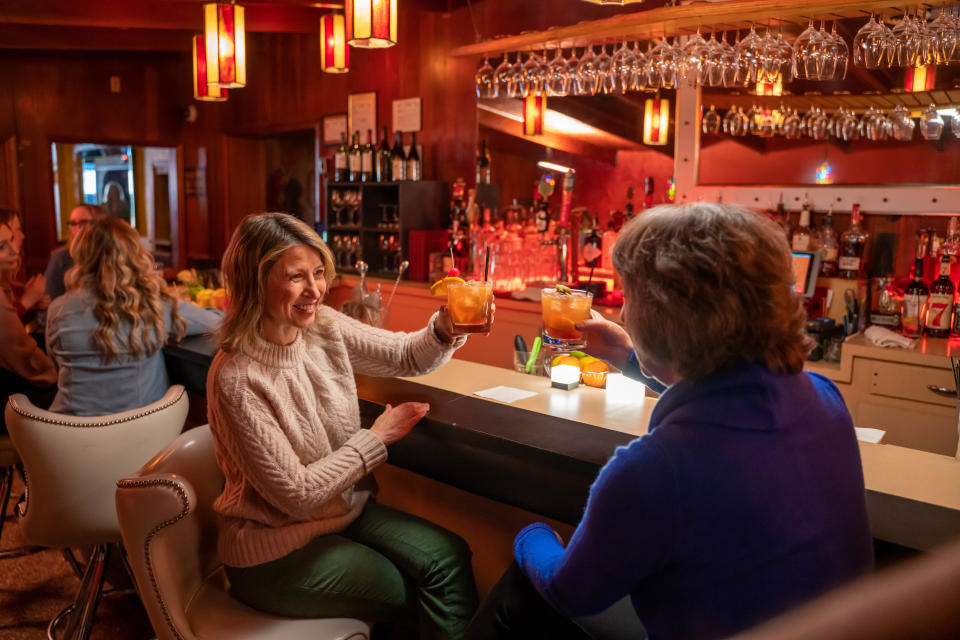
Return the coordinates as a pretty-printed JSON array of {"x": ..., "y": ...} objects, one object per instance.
[
  {"x": 505, "y": 394},
  {"x": 406, "y": 115}
]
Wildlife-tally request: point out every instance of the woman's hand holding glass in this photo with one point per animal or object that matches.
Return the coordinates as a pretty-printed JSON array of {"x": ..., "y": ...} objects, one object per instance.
[{"x": 607, "y": 340}]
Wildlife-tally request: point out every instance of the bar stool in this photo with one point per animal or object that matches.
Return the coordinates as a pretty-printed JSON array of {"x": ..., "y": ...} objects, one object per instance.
[
  {"x": 72, "y": 465},
  {"x": 169, "y": 529}
]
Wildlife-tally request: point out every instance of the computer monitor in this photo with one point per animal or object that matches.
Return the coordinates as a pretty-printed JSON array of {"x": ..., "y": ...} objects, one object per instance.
[{"x": 806, "y": 266}]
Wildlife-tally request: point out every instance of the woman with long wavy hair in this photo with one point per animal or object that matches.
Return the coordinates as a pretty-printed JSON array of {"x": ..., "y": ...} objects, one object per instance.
[{"x": 106, "y": 333}]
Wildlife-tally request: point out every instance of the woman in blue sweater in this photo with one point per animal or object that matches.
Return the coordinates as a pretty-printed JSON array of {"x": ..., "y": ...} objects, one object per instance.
[{"x": 746, "y": 496}]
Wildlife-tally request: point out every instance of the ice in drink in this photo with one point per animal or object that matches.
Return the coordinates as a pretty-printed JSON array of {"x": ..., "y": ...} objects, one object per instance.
[
  {"x": 562, "y": 309},
  {"x": 470, "y": 305}
]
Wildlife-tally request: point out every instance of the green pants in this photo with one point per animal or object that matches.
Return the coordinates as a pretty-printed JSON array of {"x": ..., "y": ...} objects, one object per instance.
[{"x": 387, "y": 566}]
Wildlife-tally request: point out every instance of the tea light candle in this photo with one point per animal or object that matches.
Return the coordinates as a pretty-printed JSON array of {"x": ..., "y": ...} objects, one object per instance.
[
  {"x": 623, "y": 389},
  {"x": 565, "y": 376}
]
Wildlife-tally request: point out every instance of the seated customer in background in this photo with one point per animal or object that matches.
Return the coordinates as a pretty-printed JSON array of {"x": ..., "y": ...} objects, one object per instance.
[
  {"x": 27, "y": 299},
  {"x": 298, "y": 531},
  {"x": 105, "y": 334},
  {"x": 60, "y": 260},
  {"x": 24, "y": 368},
  {"x": 746, "y": 496}
]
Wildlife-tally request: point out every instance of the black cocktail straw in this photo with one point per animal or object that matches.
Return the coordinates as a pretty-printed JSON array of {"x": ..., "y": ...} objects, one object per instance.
[{"x": 486, "y": 265}]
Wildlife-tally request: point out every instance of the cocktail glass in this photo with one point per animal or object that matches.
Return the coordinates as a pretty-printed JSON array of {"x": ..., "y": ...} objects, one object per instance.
[
  {"x": 561, "y": 311},
  {"x": 470, "y": 306}
]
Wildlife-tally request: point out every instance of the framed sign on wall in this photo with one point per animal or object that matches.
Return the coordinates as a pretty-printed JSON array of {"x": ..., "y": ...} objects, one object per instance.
[
  {"x": 406, "y": 115},
  {"x": 362, "y": 112},
  {"x": 333, "y": 127}
]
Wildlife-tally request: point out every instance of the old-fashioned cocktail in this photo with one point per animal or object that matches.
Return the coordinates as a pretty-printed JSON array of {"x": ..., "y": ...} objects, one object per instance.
[
  {"x": 562, "y": 309},
  {"x": 470, "y": 306}
]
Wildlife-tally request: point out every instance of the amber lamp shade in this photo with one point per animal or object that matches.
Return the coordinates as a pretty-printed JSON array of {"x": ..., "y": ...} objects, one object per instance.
[
  {"x": 334, "y": 52},
  {"x": 226, "y": 51},
  {"x": 201, "y": 90},
  {"x": 534, "y": 110},
  {"x": 656, "y": 121},
  {"x": 371, "y": 24}
]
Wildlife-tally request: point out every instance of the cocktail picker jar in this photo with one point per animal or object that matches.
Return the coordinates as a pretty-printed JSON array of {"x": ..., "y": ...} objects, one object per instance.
[{"x": 562, "y": 309}]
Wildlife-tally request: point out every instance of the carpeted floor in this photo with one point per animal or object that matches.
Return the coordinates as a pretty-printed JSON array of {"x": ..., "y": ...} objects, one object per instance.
[{"x": 34, "y": 588}]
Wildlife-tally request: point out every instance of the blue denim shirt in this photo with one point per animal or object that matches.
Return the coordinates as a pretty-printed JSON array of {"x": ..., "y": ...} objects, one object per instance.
[{"x": 87, "y": 386}]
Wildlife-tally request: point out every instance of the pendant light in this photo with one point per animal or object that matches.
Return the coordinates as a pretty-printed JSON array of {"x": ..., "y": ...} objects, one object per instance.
[
  {"x": 223, "y": 30},
  {"x": 334, "y": 52},
  {"x": 534, "y": 110},
  {"x": 371, "y": 24},
  {"x": 201, "y": 90},
  {"x": 656, "y": 121}
]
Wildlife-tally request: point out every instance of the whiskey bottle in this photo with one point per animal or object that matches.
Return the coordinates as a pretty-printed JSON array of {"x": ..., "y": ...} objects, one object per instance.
[
  {"x": 915, "y": 301},
  {"x": 802, "y": 237},
  {"x": 829, "y": 246},
  {"x": 940, "y": 315},
  {"x": 852, "y": 243}
]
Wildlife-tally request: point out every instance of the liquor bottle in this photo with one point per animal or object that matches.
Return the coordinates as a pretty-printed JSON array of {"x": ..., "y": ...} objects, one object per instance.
[
  {"x": 628, "y": 211},
  {"x": 366, "y": 159},
  {"x": 341, "y": 172},
  {"x": 940, "y": 315},
  {"x": 382, "y": 161},
  {"x": 592, "y": 247},
  {"x": 802, "y": 237},
  {"x": 414, "y": 166},
  {"x": 354, "y": 158},
  {"x": 483, "y": 164},
  {"x": 829, "y": 246},
  {"x": 648, "y": 192},
  {"x": 398, "y": 161},
  {"x": 852, "y": 243},
  {"x": 543, "y": 218},
  {"x": 915, "y": 301}
]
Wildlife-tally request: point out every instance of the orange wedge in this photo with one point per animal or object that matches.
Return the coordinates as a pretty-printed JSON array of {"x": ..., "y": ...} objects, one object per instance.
[{"x": 439, "y": 288}]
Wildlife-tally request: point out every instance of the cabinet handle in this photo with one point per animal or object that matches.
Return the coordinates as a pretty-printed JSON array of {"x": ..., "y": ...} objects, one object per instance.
[{"x": 943, "y": 391}]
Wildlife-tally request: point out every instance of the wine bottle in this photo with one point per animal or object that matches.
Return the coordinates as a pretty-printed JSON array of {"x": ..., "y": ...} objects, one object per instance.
[
  {"x": 852, "y": 243},
  {"x": 366, "y": 159},
  {"x": 398, "y": 161},
  {"x": 801, "y": 235},
  {"x": 940, "y": 315},
  {"x": 483, "y": 164},
  {"x": 383, "y": 159},
  {"x": 915, "y": 301},
  {"x": 354, "y": 158},
  {"x": 340, "y": 169},
  {"x": 414, "y": 165},
  {"x": 828, "y": 246}
]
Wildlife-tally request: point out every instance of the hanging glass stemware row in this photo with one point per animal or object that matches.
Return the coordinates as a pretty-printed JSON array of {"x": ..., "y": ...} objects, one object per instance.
[
  {"x": 913, "y": 41},
  {"x": 843, "y": 124}
]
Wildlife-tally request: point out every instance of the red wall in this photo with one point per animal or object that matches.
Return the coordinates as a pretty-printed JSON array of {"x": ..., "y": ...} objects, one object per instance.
[{"x": 781, "y": 161}]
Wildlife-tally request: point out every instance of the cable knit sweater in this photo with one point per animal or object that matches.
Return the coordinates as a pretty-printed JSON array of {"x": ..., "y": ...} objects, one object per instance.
[{"x": 286, "y": 423}]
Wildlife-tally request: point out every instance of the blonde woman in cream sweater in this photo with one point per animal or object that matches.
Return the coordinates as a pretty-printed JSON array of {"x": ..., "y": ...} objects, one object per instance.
[{"x": 298, "y": 535}]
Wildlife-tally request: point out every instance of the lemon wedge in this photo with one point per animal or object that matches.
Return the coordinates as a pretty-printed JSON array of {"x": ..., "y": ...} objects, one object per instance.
[{"x": 439, "y": 288}]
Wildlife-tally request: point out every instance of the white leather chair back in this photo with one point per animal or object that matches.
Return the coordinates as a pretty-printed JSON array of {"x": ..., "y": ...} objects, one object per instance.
[
  {"x": 169, "y": 531},
  {"x": 72, "y": 464}
]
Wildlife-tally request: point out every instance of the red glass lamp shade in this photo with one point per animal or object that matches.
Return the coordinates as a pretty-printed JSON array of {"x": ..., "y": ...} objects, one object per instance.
[
  {"x": 534, "y": 110},
  {"x": 371, "y": 24},
  {"x": 656, "y": 121},
  {"x": 223, "y": 31},
  {"x": 201, "y": 90},
  {"x": 334, "y": 52}
]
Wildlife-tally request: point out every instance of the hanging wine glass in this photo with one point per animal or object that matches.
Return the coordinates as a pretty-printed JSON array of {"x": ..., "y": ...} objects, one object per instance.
[
  {"x": 769, "y": 67},
  {"x": 944, "y": 33},
  {"x": 849, "y": 126},
  {"x": 748, "y": 57},
  {"x": 791, "y": 126},
  {"x": 637, "y": 66},
  {"x": 730, "y": 122},
  {"x": 587, "y": 80},
  {"x": 906, "y": 46},
  {"x": 955, "y": 123},
  {"x": 840, "y": 52},
  {"x": 690, "y": 58},
  {"x": 650, "y": 74},
  {"x": 558, "y": 75},
  {"x": 931, "y": 124},
  {"x": 871, "y": 45},
  {"x": 729, "y": 63},
  {"x": 902, "y": 125},
  {"x": 503, "y": 76},
  {"x": 806, "y": 54},
  {"x": 710, "y": 123},
  {"x": 623, "y": 61},
  {"x": 712, "y": 64},
  {"x": 516, "y": 76},
  {"x": 531, "y": 81},
  {"x": 486, "y": 80},
  {"x": 606, "y": 77}
]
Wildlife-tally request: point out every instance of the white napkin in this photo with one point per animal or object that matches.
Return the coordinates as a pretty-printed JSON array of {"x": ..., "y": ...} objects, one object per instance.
[
  {"x": 866, "y": 434},
  {"x": 505, "y": 394},
  {"x": 883, "y": 337}
]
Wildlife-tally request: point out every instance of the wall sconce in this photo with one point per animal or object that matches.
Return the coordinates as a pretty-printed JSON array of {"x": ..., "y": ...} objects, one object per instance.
[
  {"x": 371, "y": 24},
  {"x": 334, "y": 52},
  {"x": 201, "y": 90},
  {"x": 656, "y": 121},
  {"x": 920, "y": 78},
  {"x": 223, "y": 30},
  {"x": 565, "y": 376},
  {"x": 534, "y": 109}
]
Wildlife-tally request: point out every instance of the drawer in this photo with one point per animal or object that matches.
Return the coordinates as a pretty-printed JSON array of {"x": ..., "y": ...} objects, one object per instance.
[
  {"x": 911, "y": 382},
  {"x": 910, "y": 426}
]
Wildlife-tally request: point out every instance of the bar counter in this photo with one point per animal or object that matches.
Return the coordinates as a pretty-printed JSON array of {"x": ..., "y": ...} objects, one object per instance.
[{"x": 541, "y": 453}]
